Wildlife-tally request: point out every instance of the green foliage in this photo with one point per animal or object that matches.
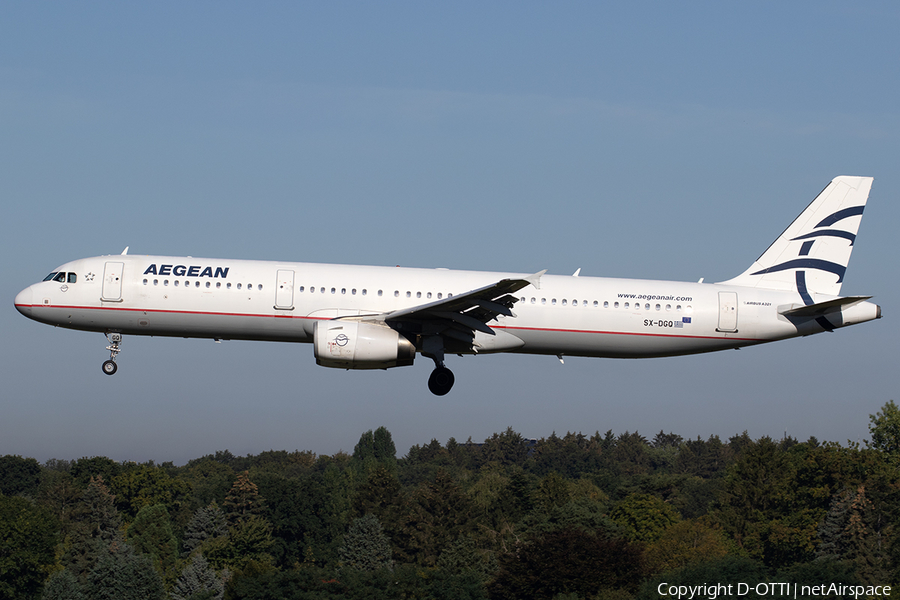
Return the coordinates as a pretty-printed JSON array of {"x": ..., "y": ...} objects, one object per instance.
[
  {"x": 686, "y": 543},
  {"x": 19, "y": 476},
  {"x": 84, "y": 469},
  {"x": 146, "y": 485},
  {"x": 197, "y": 580},
  {"x": 567, "y": 561},
  {"x": 511, "y": 516},
  {"x": 151, "y": 534},
  {"x": 884, "y": 428},
  {"x": 644, "y": 517},
  {"x": 94, "y": 530},
  {"x": 27, "y": 540},
  {"x": 248, "y": 541},
  {"x": 62, "y": 585},
  {"x": 207, "y": 523},
  {"x": 243, "y": 500},
  {"x": 365, "y": 547},
  {"x": 124, "y": 575}
]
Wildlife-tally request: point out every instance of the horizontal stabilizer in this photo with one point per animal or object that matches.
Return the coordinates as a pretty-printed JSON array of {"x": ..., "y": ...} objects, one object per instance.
[{"x": 821, "y": 308}]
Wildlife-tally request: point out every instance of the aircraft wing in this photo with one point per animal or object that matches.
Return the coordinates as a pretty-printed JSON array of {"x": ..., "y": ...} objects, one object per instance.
[{"x": 460, "y": 316}]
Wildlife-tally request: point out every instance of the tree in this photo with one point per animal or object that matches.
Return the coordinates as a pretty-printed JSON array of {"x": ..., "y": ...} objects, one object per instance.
[
  {"x": 124, "y": 575},
  {"x": 27, "y": 541},
  {"x": 243, "y": 501},
  {"x": 564, "y": 562},
  {"x": 19, "y": 475},
  {"x": 207, "y": 523},
  {"x": 686, "y": 543},
  {"x": 151, "y": 534},
  {"x": 199, "y": 578},
  {"x": 885, "y": 429},
  {"x": 365, "y": 547},
  {"x": 62, "y": 585},
  {"x": 147, "y": 485},
  {"x": 248, "y": 541},
  {"x": 95, "y": 529},
  {"x": 644, "y": 516}
]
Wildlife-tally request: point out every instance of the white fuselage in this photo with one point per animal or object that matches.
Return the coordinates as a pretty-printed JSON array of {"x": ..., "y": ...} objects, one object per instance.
[{"x": 281, "y": 301}]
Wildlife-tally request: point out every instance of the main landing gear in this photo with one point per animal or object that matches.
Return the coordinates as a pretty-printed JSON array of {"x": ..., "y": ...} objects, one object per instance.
[
  {"x": 109, "y": 367},
  {"x": 441, "y": 379}
]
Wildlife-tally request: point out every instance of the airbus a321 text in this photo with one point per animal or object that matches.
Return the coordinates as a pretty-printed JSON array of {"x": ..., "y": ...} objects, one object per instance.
[{"x": 363, "y": 317}]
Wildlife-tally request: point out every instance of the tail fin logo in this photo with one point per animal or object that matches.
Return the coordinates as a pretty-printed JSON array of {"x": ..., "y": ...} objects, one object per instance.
[{"x": 815, "y": 263}]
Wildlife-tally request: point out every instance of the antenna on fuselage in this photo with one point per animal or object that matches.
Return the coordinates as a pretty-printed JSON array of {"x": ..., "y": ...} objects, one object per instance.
[{"x": 125, "y": 251}]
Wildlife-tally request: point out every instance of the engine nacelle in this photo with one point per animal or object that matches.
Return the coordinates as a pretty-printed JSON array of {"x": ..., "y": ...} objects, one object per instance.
[{"x": 354, "y": 345}]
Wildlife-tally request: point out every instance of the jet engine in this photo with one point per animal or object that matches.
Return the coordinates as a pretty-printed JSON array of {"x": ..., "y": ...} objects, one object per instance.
[{"x": 355, "y": 345}]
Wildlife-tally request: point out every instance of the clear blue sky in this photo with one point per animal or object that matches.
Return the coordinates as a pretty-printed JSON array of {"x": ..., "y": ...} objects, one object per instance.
[{"x": 653, "y": 140}]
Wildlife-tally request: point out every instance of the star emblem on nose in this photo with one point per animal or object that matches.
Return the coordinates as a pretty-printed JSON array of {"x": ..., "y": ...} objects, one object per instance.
[{"x": 89, "y": 277}]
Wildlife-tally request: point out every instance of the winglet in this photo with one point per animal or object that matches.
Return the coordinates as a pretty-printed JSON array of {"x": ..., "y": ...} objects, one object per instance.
[{"x": 535, "y": 279}]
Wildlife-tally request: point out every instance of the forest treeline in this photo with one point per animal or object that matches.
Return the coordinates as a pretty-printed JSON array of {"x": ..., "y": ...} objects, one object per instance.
[{"x": 607, "y": 516}]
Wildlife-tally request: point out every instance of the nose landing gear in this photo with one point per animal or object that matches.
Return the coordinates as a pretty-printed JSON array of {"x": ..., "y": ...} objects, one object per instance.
[{"x": 109, "y": 367}]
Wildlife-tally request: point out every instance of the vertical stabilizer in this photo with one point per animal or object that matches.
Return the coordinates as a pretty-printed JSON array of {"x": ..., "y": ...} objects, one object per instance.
[{"x": 812, "y": 254}]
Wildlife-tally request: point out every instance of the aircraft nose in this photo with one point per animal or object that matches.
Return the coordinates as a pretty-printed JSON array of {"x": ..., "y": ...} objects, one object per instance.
[{"x": 24, "y": 301}]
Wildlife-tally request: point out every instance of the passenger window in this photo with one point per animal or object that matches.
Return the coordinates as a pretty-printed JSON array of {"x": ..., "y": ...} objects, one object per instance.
[
  {"x": 228, "y": 285},
  {"x": 238, "y": 286},
  {"x": 396, "y": 293},
  {"x": 176, "y": 283},
  {"x": 678, "y": 308},
  {"x": 563, "y": 302},
  {"x": 197, "y": 283},
  {"x": 353, "y": 292},
  {"x": 301, "y": 289},
  {"x": 440, "y": 295},
  {"x": 156, "y": 282},
  {"x": 145, "y": 282},
  {"x": 259, "y": 286},
  {"x": 616, "y": 305},
  {"x": 321, "y": 290},
  {"x": 605, "y": 304},
  {"x": 333, "y": 290},
  {"x": 409, "y": 294},
  {"x": 658, "y": 307},
  {"x": 626, "y": 306},
  {"x": 344, "y": 291},
  {"x": 429, "y": 295},
  {"x": 418, "y": 294},
  {"x": 218, "y": 284},
  {"x": 207, "y": 285},
  {"x": 543, "y": 301},
  {"x": 533, "y": 300},
  {"x": 72, "y": 277},
  {"x": 166, "y": 282},
  {"x": 647, "y": 306},
  {"x": 553, "y": 302}
]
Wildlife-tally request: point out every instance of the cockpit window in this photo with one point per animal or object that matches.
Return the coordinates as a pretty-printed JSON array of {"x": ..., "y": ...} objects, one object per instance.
[
  {"x": 61, "y": 277},
  {"x": 72, "y": 277},
  {"x": 51, "y": 276}
]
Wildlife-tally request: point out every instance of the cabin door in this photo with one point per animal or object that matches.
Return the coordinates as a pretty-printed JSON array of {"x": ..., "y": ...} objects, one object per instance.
[
  {"x": 727, "y": 311},
  {"x": 112, "y": 282},
  {"x": 284, "y": 290}
]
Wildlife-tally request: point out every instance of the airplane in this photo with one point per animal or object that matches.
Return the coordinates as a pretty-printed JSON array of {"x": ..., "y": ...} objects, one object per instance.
[{"x": 371, "y": 317}]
